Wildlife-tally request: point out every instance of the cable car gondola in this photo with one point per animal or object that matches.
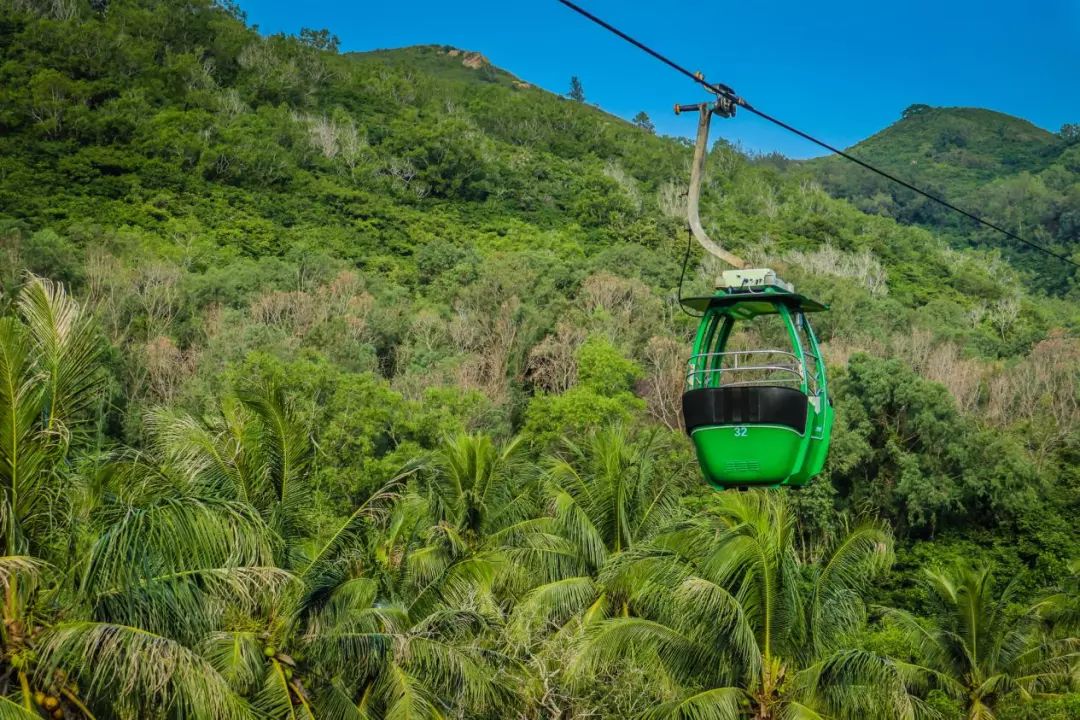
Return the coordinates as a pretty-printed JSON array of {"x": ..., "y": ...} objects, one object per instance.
[{"x": 758, "y": 417}]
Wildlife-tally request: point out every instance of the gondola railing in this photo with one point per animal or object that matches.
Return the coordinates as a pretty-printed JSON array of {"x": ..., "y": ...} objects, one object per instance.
[{"x": 734, "y": 368}]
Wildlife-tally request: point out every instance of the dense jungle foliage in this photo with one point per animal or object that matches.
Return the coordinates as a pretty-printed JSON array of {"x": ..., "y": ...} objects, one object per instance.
[{"x": 347, "y": 386}]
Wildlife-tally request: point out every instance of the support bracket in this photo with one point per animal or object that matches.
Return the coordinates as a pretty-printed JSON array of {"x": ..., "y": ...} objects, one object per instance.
[{"x": 724, "y": 107}]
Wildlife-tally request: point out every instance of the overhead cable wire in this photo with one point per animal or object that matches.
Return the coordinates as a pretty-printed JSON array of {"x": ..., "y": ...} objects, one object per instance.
[{"x": 726, "y": 92}]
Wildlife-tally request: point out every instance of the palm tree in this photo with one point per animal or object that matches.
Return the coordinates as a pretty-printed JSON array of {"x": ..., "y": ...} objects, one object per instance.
[
  {"x": 171, "y": 567},
  {"x": 728, "y": 616},
  {"x": 49, "y": 382},
  {"x": 482, "y": 494},
  {"x": 413, "y": 633},
  {"x": 606, "y": 497},
  {"x": 245, "y": 588},
  {"x": 980, "y": 647},
  {"x": 147, "y": 564},
  {"x": 474, "y": 484},
  {"x": 253, "y": 450},
  {"x": 609, "y": 494},
  {"x": 426, "y": 657}
]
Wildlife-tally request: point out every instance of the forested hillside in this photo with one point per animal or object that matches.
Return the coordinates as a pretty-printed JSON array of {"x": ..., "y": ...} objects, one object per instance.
[
  {"x": 347, "y": 386},
  {"x": 1019, "y": 176}
]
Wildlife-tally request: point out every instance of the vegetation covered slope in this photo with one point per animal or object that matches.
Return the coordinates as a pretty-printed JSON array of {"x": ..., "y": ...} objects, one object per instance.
[
  {"x": 348, "y": 386},
  {"x": 1001, "y": 167}
]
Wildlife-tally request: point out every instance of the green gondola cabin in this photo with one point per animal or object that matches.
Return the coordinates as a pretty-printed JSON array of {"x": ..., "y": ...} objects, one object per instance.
[{"x": 758, "y": 416}]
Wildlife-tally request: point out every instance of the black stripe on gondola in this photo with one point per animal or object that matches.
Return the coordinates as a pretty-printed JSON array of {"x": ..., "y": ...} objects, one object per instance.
[{"x": 745, "y": 405}]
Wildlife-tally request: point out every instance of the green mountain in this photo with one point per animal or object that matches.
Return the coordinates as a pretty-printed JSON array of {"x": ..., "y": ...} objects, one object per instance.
[
  {"x": 962, "y": 146},
  {"x": 348, "y": 386},
  {"x": 1000, "y": 167}
]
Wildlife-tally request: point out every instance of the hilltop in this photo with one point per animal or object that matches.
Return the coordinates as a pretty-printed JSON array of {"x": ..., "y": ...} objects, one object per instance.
[{"x": 444, "y": 61}]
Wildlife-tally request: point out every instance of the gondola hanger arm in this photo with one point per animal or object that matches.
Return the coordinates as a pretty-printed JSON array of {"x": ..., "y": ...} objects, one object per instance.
[{"x": 725, "y": 108}]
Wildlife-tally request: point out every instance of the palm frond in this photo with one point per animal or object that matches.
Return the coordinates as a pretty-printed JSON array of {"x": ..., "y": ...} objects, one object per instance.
[
  {"x": 207, "y": 460},
  {"x": 707, "y": 610},
  {"x": 640, "y": 571},
  {"x": 341, "y": 604},
  {"x": 67, "y": 343},
  {"x": 161, "y": 566},
  {"x": 187, "y": 604},
  {"x": 456, "y": 670},
  {"x": 856, "y": 684},
  {"x": 755, "y": 558},
  {"x": 608, "y": 644},
  {"x": 550, "y": 606},
  {"x": 237, "y": 656},
  {"x": 794, "y": 710},
  {"x": 153, "y": 673},
  {"x": 324, "y": 569},
  {"x": 522, "y": 503},
  {"x": 459, "y": 583},
  {"x": 351, "y": 653},
  {"x": 22, "y": 449},
  {"x": 177, "y": 534},
  {"x": 278, "y": 699},
  {"x": 574, "y": 522},
  {"x": 847, "y": 571},
  {"x": 613, "y": 481},
  {"x": 11, "y": 710},
  {"x": 20, "y": 566},
  {"x": 535, "y": 553},
  {"x": 287, "y": 447},
  {"x": 478, "y": 486},
  {"x": 334, "y": 702},
  {"x": 130, "y": 479},
  {"x": 406, "y": 697},
  {"x": 924, "y": 637},
  {"x": 354, "y": 639},
  {"x": 920, "y": 678},
  {"x": 1046, "y": 665},
  {"x": 715, "y": 704}
]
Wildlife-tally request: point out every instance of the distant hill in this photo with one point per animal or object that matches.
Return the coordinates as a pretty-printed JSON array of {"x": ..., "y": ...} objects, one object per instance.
[
  {"x": 960, "y": 145},
  {"x": 1003, "y": 167}
]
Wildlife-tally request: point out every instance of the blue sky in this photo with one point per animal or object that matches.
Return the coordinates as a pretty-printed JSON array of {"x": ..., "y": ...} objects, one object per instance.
[{"x": 840, "y": 70}]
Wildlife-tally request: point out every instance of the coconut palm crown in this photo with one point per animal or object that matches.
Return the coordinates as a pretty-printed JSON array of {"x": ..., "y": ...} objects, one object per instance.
[{"x": 980, "y": 646}]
